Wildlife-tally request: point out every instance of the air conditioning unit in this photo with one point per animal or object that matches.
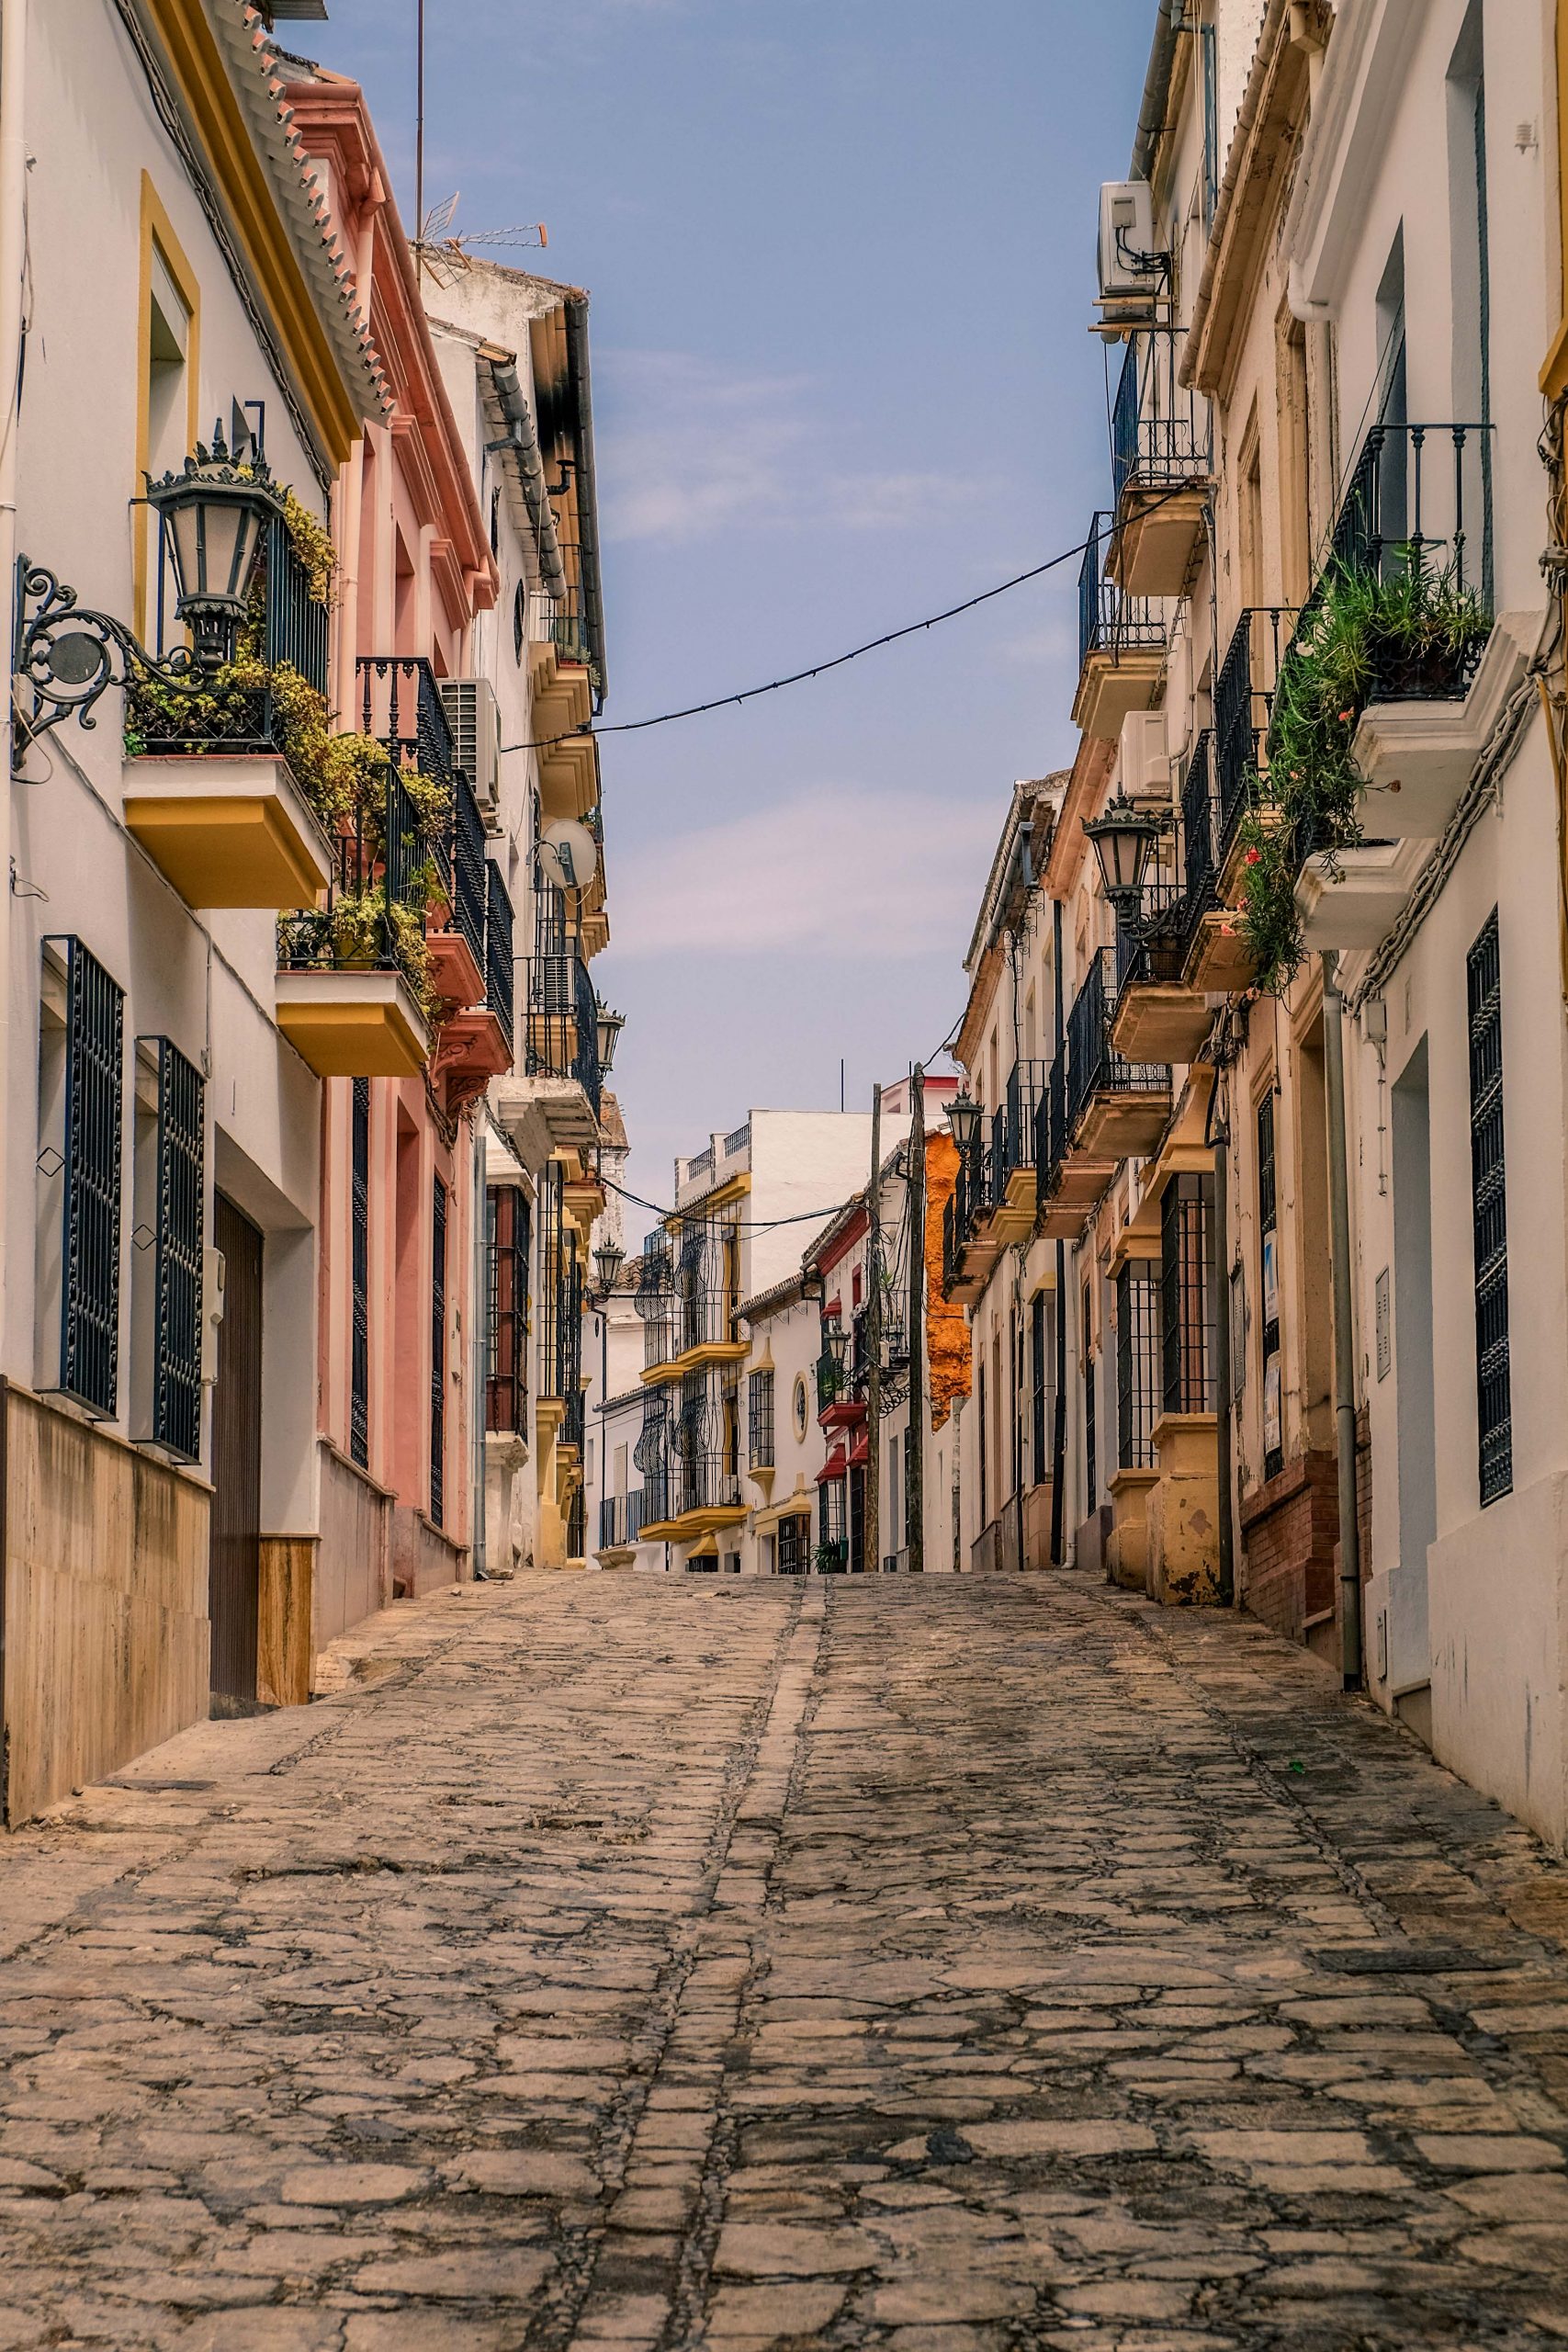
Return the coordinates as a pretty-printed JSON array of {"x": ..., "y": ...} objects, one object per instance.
[
  {"x": 1145, "y": 758},
  {"x": 1134, "y": 269},
  {"x": 471, "y": 714}
]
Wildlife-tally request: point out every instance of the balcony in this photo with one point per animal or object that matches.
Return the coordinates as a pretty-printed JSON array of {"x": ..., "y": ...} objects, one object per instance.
[
  {"x": 1008, "y": 1213},
  {"x": 699, "y": 1495},
  {"x": 475, "y": 1045},
  {"x": 1115, "y": 1109},
  {"x": 209, "y": 789},
  {"x": 350, "y": 991},
  {"x": 686, "y": 1298},
  {"x": 1121, "y": 643},
  {"x": 967, "y": 1256},
  {"x": 560, "y": 1041},
  {"x": 401, "y": 706},
  {"x": 1157, "y": 1018},
  {"x": 1161, "y": 469}
]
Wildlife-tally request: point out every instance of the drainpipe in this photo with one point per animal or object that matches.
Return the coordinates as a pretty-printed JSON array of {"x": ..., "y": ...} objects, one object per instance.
[
  {"x": 13, "y": 238},
  {"x": 1156, "y": 90},
  {"x": 1344, "y": 1337},
  {"x": 1223, "y": 1371},
  {"x": 1059, "y": 1415},
  {"x": 351, "y": 480},
  {"x": 523, "y": 439}
]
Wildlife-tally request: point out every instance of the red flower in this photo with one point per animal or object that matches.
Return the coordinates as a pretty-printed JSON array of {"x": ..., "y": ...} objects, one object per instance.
[{"x": 1253, "y": 855}]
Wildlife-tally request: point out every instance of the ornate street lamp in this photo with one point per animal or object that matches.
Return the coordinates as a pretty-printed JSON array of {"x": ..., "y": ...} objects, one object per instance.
[
  {"x": 963, "y": 1117},
  {"x": 1124, "y": 836},
  {"x": 214, "y": 513},
  {"x": 610, "y": 1026},
  {"x": 608, "y": 1259}
]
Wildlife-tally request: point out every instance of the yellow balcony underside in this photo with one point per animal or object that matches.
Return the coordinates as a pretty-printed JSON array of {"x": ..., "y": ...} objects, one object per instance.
[
  {"x": 655, "y": 1375},
  {"x": 568, "y": 776},
  {"x": 228, "y": 832},
  {"x": 1159, "y": 1021},
  {"x": 689, "y": 1523},
  {"x": 353, "y": 1024}
]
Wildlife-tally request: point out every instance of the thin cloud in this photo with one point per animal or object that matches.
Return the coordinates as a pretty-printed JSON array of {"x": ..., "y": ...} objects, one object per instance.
[
  {"x": 689, "y": 451},
  {"x": 883, "y": 874}
]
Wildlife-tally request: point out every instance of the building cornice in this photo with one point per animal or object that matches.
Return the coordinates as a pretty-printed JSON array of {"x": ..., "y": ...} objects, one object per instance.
[
  {"x": 215, "y": 67},
  {"x": 1252, "y": 192},
  {"x": 1085, "y": 789}
]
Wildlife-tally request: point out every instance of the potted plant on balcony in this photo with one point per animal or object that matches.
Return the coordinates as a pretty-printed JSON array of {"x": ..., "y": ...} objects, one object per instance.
[{"x": 1411, "y": 631}]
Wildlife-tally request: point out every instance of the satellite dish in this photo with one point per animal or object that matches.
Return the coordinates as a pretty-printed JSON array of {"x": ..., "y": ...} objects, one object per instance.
[{"x": 569, "y": 854}]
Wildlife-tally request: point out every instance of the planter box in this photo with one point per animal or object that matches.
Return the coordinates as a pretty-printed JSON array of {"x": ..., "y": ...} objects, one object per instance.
[
  {"x": 353, "y": 1024},
  {"x": 229, "y": 830},
  {"x": 1417, "y": 756}
]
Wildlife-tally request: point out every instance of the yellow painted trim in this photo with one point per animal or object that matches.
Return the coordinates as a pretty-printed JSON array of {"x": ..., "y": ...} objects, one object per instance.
[
  {"x": 157, "y": 232},
  {"x": 241, "y": 177},
  {"x": 734, "y": 1189},
  {"x": 706, "y": 1521},
  {"x": 349, "y": 1039},
  {"x": 656, "y": 1375}
]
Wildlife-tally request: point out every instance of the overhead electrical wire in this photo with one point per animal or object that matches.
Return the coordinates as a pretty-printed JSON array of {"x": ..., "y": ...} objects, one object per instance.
[{"x": 820, "y": 669}]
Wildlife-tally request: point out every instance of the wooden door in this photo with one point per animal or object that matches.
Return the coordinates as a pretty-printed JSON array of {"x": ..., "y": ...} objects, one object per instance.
[{"x": 235, "y": 1571}]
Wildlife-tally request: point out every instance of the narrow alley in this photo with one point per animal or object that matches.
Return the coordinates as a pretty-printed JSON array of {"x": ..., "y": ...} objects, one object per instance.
[{"x": 938, "y": 1966}]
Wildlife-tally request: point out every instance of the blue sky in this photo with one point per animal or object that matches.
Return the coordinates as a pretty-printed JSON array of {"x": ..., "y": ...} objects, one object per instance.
[{"x": 840, "y": 254}]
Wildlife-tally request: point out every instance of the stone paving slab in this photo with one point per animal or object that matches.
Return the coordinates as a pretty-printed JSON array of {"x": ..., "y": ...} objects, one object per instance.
[{"x": 937, "y": 1965}]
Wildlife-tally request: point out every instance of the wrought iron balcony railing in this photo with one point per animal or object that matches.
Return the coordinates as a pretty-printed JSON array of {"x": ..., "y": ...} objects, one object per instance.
[
  {"x": 563, "y": 1020},
  {"x": 1244, "y": 702},
  {"x": 1419, "y": 499},
  {"x": 1026, "y": 1090},
  {"x": 373, "y": 916},
  {"x": 1160, "y": 431},
  {"x": 1109, "y": 622},
  {"x": 292, "y": 631},
  {"x": 1094, "y": 1066},
  {"x": 499, "y": 967},
  {"x": 1156, "y": 951},
  {"x": 1197, "y": 838}
]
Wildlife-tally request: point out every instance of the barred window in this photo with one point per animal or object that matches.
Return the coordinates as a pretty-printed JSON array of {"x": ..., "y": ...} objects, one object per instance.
[
  {"x": 1138, "y": 1370},
  {"x": 438, "y": 1354},
  {"x": 759, "y": 1414},
  {"x": 1489, "y": 1215},
  {"x": 80, "y": 1110},
  {"x": 1187, "y": 1222},
  {"x": 359, "y": 1368},
  {"x": 168, "y": 1179},
  {"x": 1269, "y": 1289},
  {"x": 508, "y": 1226}
]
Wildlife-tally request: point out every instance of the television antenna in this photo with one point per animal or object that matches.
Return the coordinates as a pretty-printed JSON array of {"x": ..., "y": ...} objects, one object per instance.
[{"x": 435, "y": 232}]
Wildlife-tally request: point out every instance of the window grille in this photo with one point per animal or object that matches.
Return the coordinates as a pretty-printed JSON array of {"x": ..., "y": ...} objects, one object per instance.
[
  {"x": 1037, "y": 1414},
  {"x": 1138, "y": 1368},
  {"x": 177, "y": 1252},
  {"x": 500, "y": 954},
  {"x": 857, "y": 1521},
  {"x": 795, "y": 1545},
  {"x": 1489, "y": 1206},
  {"x": 981, "y": 1434},
  {"x": 509, "y": 1224},
  {"x": 1090, "y": 1438},
  {"x": 88, "y": 1167},
  {"x": 1187, "y": 1216},
  {"x": 651, "y": 1455},
  {"x": 760, "y": 1413},
  {"x": 438, "y": 1354},
  {"x": 552, "y": 1262},
  {"x": 359, "y": 1371},
  {"x": 1269, "y": 1289}
]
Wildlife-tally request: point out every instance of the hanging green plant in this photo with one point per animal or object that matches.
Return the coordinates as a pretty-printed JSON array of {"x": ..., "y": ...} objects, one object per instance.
[
  {"x": 312, "y": 543},
  {"x": 1414, "y": 632}
]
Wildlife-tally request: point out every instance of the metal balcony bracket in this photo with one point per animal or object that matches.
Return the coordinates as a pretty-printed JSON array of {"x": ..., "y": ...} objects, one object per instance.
[{"x": 67, "y": 655}]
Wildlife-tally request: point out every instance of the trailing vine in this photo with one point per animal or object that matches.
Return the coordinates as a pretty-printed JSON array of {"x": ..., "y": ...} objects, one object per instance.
[{"x": 1414, "y": 633}]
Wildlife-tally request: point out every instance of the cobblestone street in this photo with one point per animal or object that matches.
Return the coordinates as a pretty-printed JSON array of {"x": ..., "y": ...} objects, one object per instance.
[{"x": 639, "y": 1963}]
